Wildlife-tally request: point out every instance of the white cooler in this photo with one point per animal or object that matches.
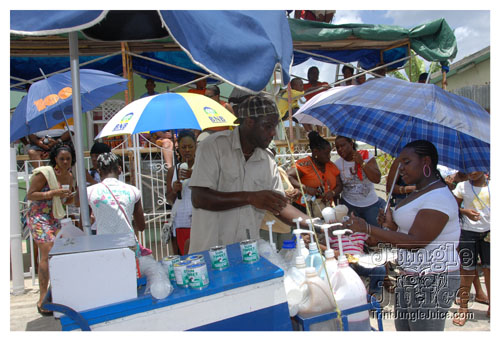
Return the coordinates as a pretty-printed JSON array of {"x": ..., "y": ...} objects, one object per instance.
[{"x": 91, "y": 271}]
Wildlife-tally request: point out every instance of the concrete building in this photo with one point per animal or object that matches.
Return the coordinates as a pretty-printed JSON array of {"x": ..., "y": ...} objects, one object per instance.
[{"x": 469, "y": 77}]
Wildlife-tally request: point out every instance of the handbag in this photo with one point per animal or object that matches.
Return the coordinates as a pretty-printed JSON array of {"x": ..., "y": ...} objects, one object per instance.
[{"x": 141, "y": 250}]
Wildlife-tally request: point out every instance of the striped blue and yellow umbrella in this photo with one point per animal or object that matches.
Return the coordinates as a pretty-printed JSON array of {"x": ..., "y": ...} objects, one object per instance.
[{"x": 168, "y": 111}]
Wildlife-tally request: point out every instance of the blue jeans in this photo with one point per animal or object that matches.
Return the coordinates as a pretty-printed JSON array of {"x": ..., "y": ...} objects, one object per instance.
[
  {"x": 368, "y": 213},
  {"x": 376, "y": 275},
  {"x": 422, "y": 302}
]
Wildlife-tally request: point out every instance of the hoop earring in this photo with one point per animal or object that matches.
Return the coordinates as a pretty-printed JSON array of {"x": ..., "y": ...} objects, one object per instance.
[{"x": 428, "y": 172}]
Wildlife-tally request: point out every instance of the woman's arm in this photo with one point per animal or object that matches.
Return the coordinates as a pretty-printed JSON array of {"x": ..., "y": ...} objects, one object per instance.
[
  {"x": 370, "y": 168},
  {"x": 330, "y": 195},
  {"x": 172, "y": 189},
  {"x": 38, "y": 182},
  {"x": 292, "y": 176},
  {"x": 372, "y": 171},
  {"x": 139, "y": 223},
  {"x": 427, "y": 225}
]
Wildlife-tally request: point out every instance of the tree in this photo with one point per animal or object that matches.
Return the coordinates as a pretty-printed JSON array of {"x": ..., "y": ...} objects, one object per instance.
[{"x": 417, "y": 68}]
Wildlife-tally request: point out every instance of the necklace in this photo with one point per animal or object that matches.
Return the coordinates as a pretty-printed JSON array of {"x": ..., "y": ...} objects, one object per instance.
[
  {"x": 425, "y": 187},
  {"x": 247, "y": 154}
]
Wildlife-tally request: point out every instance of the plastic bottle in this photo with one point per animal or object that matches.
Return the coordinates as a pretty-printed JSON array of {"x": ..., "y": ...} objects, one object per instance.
[
  {"x": 314, "y": 259},
  {"x": 319, "y": 300},
  {"x": 288, "y": 253},
  {"x": 349, "y": 290},
  {"x": 301, "y": 246},
  {"x": 68, "y": 229},
  {"x": 295, "y": 291},
  {"x": 331, "y": 264}
]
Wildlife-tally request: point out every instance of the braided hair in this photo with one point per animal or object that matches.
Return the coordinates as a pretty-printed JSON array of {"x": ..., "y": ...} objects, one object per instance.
[
  {"x": 57, "y": 148},
  {"x": 108, "y": 163}
]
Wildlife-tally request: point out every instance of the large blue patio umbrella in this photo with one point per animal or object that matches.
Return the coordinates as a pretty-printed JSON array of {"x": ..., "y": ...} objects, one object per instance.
[
  {"x": 49, "y": 101},
  {"x": 259, "y": 41},
  {"x": 240, "y": 47},
  {"x": 389, "y": 113}
]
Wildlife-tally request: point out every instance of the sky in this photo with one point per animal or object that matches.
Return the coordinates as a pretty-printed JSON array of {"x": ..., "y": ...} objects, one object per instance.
[{"x": 471, "y": 27}]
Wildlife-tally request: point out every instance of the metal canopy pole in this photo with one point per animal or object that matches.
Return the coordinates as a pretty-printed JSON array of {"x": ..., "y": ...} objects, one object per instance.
[
  {"x": 16, "y": 252},
  {"x": 77, "y": 118}
]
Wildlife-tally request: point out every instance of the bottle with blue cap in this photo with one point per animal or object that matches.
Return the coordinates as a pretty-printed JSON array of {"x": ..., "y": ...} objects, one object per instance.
[{"x": 287, "y": 252}]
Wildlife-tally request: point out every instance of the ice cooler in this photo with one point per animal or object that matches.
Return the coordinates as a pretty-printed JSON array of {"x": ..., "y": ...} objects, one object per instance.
[{"x": 243, "y": 297}]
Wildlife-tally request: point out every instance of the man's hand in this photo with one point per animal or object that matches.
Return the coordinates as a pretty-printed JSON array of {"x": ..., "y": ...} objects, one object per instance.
[{"x": 268, "y": 200}]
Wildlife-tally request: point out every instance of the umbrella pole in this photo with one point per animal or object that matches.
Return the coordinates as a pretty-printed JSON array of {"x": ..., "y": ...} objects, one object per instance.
[
  {"x": 78, "y": 143},
  {"x": 392, "y": 189},
  {"x": 175, "y": 161}
]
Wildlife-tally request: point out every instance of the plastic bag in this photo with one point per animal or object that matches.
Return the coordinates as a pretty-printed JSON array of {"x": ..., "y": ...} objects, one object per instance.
[
  {"x": 265, "y": 250},
  {"x": 158, "y": 283}
]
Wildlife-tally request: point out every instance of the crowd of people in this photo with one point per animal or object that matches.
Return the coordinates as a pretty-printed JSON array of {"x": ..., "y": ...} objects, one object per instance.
[{"x": 223, "y": 187}]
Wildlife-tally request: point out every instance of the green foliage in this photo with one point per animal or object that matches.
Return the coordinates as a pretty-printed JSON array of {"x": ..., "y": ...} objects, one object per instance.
[
  {"x": 417, "y": 67},
  {"x": 399, "y": 75}
]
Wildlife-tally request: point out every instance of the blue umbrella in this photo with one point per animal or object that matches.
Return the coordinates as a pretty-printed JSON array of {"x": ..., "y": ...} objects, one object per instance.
[
  {"x": 49, "y": 101},
  {"x": 241, "y": 47},
  {"x": 389, "y": 113}
]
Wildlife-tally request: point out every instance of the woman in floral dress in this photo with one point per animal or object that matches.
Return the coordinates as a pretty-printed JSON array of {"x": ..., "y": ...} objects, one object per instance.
[{"x": 47, "y": 196}]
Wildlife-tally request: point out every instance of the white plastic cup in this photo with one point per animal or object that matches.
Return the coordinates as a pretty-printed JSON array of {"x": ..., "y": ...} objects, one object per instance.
[
  {"x": 328, "y": 214},
  {"x": 340, "y": 212}
]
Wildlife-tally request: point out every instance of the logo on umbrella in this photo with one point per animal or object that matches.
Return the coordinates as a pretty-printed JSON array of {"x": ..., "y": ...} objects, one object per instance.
[
  {"x": 52, "y": 99},
  {"x": 213, "y": 116},
  {"x": 123, "y": 122}
]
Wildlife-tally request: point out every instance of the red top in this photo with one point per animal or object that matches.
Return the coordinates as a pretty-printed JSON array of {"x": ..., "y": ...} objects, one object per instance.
[
  {"x": 307, "y": 86},
  {"x": 310, "y": 179},
  {"x": 197, "y": 91}
]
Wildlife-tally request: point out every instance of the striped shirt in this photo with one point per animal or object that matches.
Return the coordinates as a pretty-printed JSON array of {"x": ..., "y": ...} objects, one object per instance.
[{"x": 352, "y": 244}]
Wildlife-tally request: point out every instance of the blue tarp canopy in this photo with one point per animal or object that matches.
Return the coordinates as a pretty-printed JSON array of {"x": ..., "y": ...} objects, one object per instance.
[{"x": 240, "y": 47}]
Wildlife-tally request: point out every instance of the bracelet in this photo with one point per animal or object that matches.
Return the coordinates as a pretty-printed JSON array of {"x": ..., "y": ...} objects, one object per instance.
[{"x": 368, "y": 228}]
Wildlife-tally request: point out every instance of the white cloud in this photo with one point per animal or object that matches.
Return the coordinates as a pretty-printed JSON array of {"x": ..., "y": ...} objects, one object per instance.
[
  {"x": 347, "y": 17},
  {"x": 472, "y": 28}
]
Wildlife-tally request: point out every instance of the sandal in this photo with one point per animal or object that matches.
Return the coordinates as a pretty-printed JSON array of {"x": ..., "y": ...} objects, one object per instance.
[
  {"x": 460, "y": 317},
  {"x": 486, "y": 301},
  {"x": 44, "y": 312}
]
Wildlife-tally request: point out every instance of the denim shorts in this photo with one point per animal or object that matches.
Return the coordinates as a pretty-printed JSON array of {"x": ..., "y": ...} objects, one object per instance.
[{"x": 472, "y": 245}]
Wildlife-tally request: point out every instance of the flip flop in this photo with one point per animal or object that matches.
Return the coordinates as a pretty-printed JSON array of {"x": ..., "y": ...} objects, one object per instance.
[
  {"x": 486, "y": 301},
  {"x": 44, "y": 312}
]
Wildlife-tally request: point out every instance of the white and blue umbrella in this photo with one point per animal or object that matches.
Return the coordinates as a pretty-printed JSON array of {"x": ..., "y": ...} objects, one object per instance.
[
  {"x": 168, "y": 111},
  {"x": 389, "y": 113}
]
